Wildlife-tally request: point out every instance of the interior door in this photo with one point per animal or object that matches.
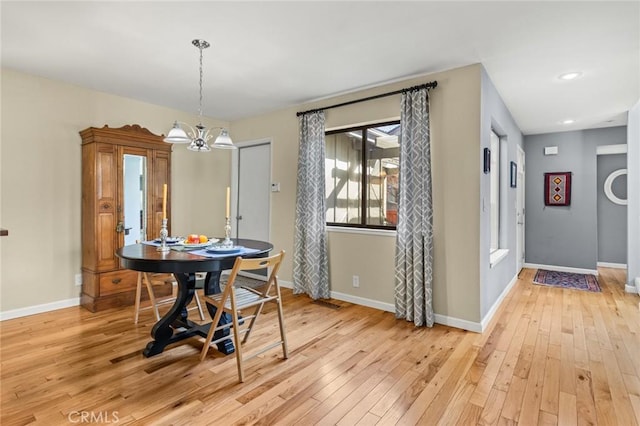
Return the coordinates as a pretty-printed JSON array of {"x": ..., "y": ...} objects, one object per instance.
[
  {"x": 520, "y": 213},
  {"x": 252, "y": 190}
]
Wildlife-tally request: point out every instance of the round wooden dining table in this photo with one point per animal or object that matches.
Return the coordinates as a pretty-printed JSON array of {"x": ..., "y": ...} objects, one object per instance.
[{"x": 175, "y": 324}]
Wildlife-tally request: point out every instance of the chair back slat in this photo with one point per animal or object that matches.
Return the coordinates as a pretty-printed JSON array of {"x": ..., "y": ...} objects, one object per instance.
[{"x": 272, "y": 262}]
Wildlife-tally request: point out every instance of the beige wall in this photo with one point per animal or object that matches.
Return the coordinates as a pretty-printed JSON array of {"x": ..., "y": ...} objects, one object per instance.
[
  {"x": 455, "y": 121},
  {"x": 40, "y": 188}
]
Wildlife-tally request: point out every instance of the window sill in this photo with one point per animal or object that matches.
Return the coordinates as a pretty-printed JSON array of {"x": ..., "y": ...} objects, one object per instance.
[
  {"x": 497, "y": 256},
  {"x": 365, "y": 231}
]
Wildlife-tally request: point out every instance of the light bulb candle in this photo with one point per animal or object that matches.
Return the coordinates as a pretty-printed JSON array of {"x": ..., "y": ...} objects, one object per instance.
[{"x": 164, "y": 201}]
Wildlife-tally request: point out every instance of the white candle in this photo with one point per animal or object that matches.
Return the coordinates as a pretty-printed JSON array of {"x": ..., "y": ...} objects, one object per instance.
[
  {"x": 164, "y": 201},
  {"x": 228, "y": 201}
]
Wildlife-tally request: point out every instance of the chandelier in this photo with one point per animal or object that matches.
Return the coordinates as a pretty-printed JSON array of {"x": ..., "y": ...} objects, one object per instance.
[{"x": 198, "y": 137}]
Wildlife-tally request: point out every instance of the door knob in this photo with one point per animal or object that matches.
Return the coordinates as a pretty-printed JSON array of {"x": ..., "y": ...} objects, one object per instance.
[
  {"x": 120, "y": 227},
  {"x": 239, "y": 217}
]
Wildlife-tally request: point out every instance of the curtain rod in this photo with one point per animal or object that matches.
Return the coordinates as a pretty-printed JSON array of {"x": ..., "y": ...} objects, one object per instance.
[{"x": 430, "y": 85}]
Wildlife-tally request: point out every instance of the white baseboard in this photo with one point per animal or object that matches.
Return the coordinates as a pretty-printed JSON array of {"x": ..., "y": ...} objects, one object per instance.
[
  {"x": 362, "y": 301},
  {"x": 561, "y": 268},
  {"x": 38, "y": 309},
  {"x": 476, "y": 327},
  {"x": 487, "y": 318},
  {"x": 631, "y": 289},
  {"x": 388, "y": 307},
  {"x": 613, "y": 265},
  {"x": 285, "y": 284}
]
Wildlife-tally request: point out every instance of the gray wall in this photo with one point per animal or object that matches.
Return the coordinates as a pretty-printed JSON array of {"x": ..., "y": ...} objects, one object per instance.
[
  {"x": 495, "y": 114},
  {"x": 612, "y": 217},
  {"x": 565, "y": 236},
  {"x": 633, "y": 200}
]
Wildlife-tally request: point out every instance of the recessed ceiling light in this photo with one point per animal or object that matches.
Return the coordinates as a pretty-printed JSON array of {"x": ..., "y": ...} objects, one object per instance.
[
  {"x": 570, "y": 75},
  {"x": 568, "y": 121}
]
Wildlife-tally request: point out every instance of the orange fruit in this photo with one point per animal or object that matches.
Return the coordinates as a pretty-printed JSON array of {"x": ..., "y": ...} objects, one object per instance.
[
  {"x": 193, "y": 238},
  {"x": 203, "y": 238}
]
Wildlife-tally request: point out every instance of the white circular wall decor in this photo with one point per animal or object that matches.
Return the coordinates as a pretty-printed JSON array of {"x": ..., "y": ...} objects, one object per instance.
[{"x": 609, "y": 182}]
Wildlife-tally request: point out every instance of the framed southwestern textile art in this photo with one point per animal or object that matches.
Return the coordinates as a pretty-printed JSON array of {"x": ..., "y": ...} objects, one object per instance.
[{"x": 557, "y": 189}]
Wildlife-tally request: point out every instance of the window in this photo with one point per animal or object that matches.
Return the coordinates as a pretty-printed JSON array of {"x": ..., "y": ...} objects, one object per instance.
[
  {"x": 498, "y": 198},
  {"x": 495, "y": 192},
  {"x": 361, "y": 176}
]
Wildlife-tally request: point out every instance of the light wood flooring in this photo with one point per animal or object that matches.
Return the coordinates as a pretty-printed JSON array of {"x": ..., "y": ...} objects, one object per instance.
[{"x": 550, "y": 356}]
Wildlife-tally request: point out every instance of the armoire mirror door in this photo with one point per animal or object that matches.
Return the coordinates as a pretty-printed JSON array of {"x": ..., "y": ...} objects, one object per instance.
[{"x": 134, "y": 198}]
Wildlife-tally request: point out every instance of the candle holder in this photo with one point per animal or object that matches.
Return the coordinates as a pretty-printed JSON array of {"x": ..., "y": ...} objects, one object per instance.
[
  {"x": 163, "y": 237},
  {"x": 227, "y": 234}
]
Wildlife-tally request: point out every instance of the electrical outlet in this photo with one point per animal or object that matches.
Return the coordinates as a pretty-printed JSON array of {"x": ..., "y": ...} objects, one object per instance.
[
  {"x": 356, "y": 281},
  {"x": 78, "y": 279}
]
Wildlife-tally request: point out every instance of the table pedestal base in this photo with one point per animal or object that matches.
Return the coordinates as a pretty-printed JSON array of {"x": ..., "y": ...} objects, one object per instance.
[{"x": 175, "y": 325}]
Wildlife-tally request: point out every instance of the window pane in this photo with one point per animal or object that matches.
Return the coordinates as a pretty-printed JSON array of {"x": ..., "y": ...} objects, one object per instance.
[
  {"x": 343, "y": 177},
  {"x": 383, "y": 151}
]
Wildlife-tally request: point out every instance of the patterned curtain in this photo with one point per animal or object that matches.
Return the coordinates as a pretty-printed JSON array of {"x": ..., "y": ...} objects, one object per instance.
[
  {"x": 310, "y": 258},
  {"x": 414, "y": 237}
]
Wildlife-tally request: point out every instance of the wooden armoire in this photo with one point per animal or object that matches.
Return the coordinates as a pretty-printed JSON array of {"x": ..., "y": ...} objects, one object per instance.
[{"x": 104, "y": 284}]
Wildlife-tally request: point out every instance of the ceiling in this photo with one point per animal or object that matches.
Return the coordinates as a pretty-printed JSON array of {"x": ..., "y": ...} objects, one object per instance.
[{"x": 267, "y": 55}]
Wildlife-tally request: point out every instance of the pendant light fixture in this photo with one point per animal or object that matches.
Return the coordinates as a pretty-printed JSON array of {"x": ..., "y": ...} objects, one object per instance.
[{"x": 198, "y": 138}]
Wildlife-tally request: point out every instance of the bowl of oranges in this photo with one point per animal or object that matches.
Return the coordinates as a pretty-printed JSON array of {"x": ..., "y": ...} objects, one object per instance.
[{"x": 197, "y": 241}]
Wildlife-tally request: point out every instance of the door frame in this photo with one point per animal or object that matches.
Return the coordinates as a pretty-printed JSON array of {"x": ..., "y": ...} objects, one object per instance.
[
  {"x": 520, "y": 195},
  {"x": 235, "y": 177}
]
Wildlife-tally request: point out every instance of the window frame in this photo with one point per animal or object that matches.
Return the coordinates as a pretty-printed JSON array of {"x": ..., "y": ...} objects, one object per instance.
[
  {"x": 495, "y": 190},
  {"x": 364, "y": 176},
  {"x": 499, "y": 253}
]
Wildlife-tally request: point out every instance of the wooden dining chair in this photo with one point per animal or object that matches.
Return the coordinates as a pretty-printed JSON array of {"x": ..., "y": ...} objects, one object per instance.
[
  {"x": 151, "y": 279},
  {"x": 234, "y": 299}
]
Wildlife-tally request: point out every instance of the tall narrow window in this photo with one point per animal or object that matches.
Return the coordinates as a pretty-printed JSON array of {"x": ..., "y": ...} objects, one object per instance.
[
  {"x": 495, "y": 191},
  {"x": 361, "y": 176}
]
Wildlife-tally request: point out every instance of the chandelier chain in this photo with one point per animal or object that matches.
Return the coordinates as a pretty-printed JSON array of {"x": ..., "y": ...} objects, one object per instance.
[{"x": 200, "y": 108}]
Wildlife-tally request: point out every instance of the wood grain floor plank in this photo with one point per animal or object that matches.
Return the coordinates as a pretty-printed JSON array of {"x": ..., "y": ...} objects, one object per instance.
[
  {"x": 457, "y": 404},
  {"x": 514, "y": 400},
  {"x": 619, "y": 393},
  {"x": 605, "y": 411},
  {"x": 568, "y": 412},
  {"x": 585, "y": 402},
  {"x": 567, "y": 364},
  {"x": 632, "y": 383},
  {"x": 551, "y": 386},
  {"x": 360, "y": 410},
  {"x": 533, "y": 392},
  {"x": 491, "y": 412}
]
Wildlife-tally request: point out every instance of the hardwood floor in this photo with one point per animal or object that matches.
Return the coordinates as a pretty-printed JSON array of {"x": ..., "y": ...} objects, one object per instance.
[{"x": 550, "y": 356}]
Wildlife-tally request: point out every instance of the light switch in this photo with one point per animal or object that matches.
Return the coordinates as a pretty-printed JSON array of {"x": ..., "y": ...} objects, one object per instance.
[{"x": 275, "y": 187}]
